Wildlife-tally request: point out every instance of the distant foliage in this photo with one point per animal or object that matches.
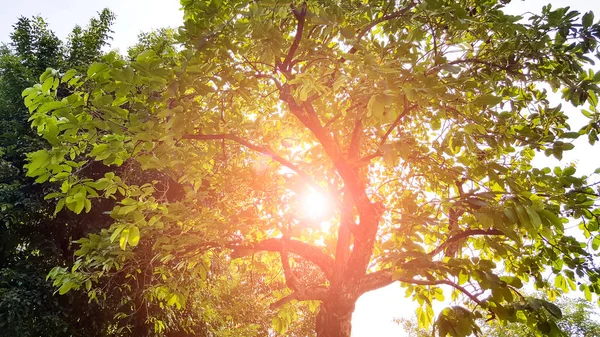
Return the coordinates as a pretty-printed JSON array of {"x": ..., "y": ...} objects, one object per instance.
[
  {"x": 579, "y": 319},
  {"x": 32, "y": 241}
]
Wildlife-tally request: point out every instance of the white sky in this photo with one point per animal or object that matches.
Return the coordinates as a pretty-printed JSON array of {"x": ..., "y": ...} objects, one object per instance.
[
  {"x": 133, "y": 16},
  {"x": 375, "y": 310}
]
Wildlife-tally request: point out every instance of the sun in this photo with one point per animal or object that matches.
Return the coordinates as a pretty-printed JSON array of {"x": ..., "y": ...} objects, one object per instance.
[
  {"x": 317, "y": 207},
  {"x": 314, "y": 205}
]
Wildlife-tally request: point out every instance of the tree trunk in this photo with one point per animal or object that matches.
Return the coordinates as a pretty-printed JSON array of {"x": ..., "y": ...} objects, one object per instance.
[{"x": 334, "y": 319}]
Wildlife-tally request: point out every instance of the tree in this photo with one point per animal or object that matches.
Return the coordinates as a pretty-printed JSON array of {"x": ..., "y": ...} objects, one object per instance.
[
  {"x": 580, "y": 319},
  {"x": 416, "y": 121},
  {"x": 31, "y": 241},
  {"x": 162, "y": 42}
]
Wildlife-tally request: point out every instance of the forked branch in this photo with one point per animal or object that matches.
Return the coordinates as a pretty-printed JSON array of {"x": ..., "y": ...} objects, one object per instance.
[
  {"x": 395, "y": 123},
  {"x": 300, "y": 14},
  {"x": 302, "y": 249},
  {"x": 387, "y": 17},
  {"x": 308, "y": 294},
  {"x": 462, "y": 235},
  {"x": 307, "y": 115}
]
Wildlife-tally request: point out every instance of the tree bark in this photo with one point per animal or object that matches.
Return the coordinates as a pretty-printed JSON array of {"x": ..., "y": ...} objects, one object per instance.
[{"x": 335, "y": 319}]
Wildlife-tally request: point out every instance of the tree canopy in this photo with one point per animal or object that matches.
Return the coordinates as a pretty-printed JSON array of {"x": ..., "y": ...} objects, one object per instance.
[{"x": 412, "y": 123}]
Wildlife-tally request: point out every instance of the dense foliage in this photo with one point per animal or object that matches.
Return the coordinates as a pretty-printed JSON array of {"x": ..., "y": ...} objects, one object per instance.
[
  {"x": 34, "y": 239},
  {"x": 579, "y": 319},
  {"x": 31, "y": 241},
  {"x": 416, "y": 121}
]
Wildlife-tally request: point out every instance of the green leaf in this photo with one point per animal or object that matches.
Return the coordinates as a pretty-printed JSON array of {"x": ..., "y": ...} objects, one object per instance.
[
  {"x": 375, "y": 106},
  {"x": 544, "y": 327},
  {"x": 425, "y": 316},
  {"x": 97, "y": 69},
  {"x": 46, "y": 74},
  {"x": 42, "y": 178},
  {"x": 100, "y": 152},
  {"x": 146, "y": 56},
  {"x": 512, "y": 281},
  {"x": 277, "y": 325},
  {"x": 29, "y": 91},
  {"x": 588, "y": 19},
  {"x": 561, "y": 283},
  {"x": 313, "y": 306},
  {"x": 116, "y": 233},
  {"x": 59, "y": 206},
  {"x": 65, "y": 287},
  {"x": 37, "y": 160},
  {"x": 536, "y": 221},
  {"x": 552, "y": 308},
  {"x": 47, "y": 85},
  {"x": 511, "y": 214},
  {"x": 79, "y": 205},
  {"x": 53, "y": 195},
  {"x": 175, "y": 300},
  {"x": 525, "y": 221},
  {"x": 587, "y": 293},
  {"x": 134, "y": 236},
  {"x": 487, "y": 100},
  {"x": 552, "y": 218},
  {"x": 124, "y": 210},
  {"x": 68, "y": 75},
  {"x": 596, "y": 242},
  {"x": 347, "y": 32},
  {"x": 571, "y": 135},
  {"x": 124, "y": 238},
  {"x": 569, "y": 171}
]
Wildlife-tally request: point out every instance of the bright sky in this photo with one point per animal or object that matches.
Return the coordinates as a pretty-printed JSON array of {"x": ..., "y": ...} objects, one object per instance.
[
  {"x": 376, "y": 310},
  {"x": 133, "y": 16}
]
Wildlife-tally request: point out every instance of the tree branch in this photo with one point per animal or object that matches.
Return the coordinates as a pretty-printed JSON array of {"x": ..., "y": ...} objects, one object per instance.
[
  {"x": 354, "y": 148},
  {"x": 302, "y": 249},
  {"x": 384, "y": 277},
  {"x": 462, "y": 235},
  {"x": 378, "y": 153},
  {"x": 342, "y": 250},
  {"x": 367, "y": 159},
  {"x": 369, "y": 212},
  {"x": 306, "y": 114},
  {"x": 375, "y": 22},
  {"x": 376, "y": 280},
  {"x": 258, "y": 148},
  {"x": 290, "y": 278},
  {"x": 309, "y": 294},
  {"x": 370, "y": 26},
  {"x": 395, "y": 124},
  {"x": 301, "y": 17},
  {"x": 299, "y": 293},
  {"x": 490, "y": 64}
]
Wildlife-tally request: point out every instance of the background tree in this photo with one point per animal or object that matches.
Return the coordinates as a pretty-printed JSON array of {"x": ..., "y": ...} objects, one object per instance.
[
  {"x": 31, "y": 240},
  {"x": 579, "y": 319},
  {"x": 416, "y": 121}
]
